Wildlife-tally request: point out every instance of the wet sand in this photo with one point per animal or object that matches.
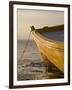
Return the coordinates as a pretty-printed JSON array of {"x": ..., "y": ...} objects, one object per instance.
[{"x": 30, "y": 64}]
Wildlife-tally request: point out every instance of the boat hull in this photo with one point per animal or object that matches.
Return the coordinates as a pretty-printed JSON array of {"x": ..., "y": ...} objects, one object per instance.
[{"x": 50, "y": 50}]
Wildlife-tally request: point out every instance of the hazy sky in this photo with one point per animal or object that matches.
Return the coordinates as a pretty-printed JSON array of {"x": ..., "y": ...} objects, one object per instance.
[{"x": 37, "y": 18}]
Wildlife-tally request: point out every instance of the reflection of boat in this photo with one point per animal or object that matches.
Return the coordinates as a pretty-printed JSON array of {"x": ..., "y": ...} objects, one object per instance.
[{"x": 51, "y": 46}]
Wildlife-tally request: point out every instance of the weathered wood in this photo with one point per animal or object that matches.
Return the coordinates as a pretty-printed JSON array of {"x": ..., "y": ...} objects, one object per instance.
[
  {"x": 47, "y": 29},
  {"x": 53, "y": 50}
]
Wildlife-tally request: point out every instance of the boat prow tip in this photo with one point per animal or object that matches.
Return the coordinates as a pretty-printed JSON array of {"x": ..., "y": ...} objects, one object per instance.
[{"x": 32, "y": 28}]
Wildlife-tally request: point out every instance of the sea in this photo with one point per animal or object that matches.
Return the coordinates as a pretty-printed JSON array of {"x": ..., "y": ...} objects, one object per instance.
[{"x": 30, "y": 64}]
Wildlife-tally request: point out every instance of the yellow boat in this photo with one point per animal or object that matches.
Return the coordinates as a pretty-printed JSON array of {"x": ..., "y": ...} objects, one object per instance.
[{"x": 51, "y": 46}]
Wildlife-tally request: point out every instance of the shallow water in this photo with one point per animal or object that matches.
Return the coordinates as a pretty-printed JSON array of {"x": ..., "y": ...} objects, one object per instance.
[{"x": 30, "y": 64}]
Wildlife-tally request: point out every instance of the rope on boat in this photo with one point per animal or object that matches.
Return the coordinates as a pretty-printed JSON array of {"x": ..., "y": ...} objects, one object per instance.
[{"x": 25, "y": 46}]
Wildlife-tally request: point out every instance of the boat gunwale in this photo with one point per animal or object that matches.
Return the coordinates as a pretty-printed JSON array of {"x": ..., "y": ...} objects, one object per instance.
[{"x": 51, "y": 28}]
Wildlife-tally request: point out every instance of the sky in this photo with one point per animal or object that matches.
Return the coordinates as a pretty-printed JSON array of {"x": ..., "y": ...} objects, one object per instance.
[{"x": 38, "y": 19}]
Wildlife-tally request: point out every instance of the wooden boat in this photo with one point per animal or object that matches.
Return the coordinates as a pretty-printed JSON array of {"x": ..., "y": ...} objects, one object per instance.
[{"x": 51, "y": 46}]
